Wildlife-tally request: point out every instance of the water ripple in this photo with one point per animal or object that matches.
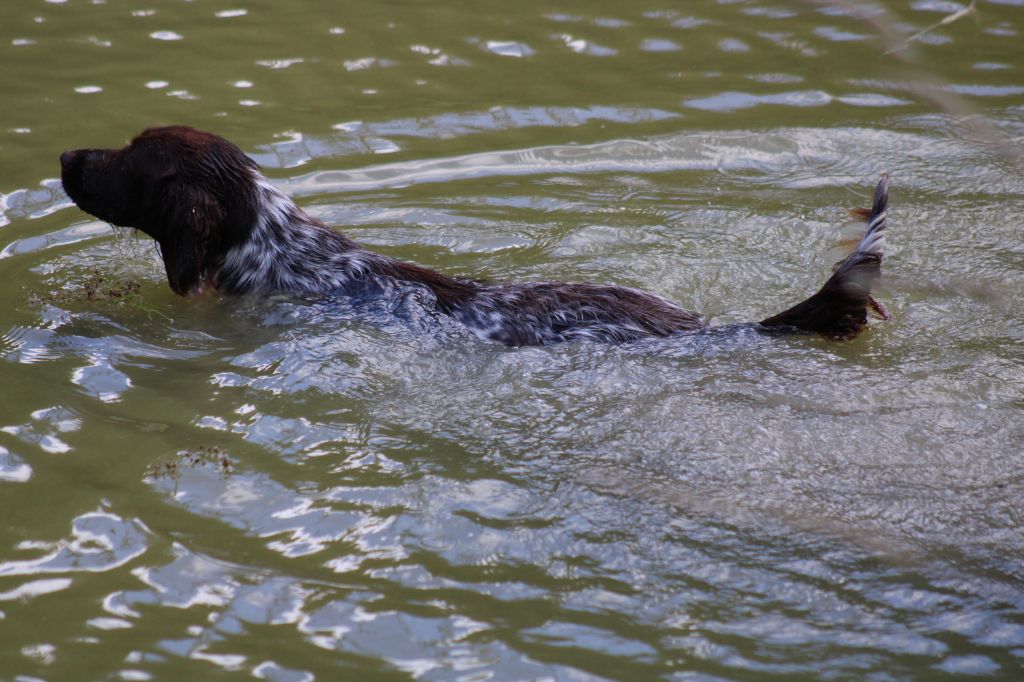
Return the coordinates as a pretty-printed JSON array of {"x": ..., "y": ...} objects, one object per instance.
[{"x": 801, "y": 156}]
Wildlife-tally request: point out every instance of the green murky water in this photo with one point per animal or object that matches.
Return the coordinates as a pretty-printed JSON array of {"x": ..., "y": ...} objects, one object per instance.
[{"x": 280, "y": 490}]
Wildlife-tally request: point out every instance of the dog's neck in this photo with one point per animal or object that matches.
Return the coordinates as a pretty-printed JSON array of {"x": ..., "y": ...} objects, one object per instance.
[
  {"x": 285, "y": 250},
  {"x": 289, "y": 251}
]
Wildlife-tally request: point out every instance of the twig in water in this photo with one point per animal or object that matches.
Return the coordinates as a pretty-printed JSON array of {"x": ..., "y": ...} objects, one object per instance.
[{"x": 959, "y": 14}]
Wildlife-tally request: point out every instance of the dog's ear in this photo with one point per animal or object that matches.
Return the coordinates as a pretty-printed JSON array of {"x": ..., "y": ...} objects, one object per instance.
[{"x": 191, "y": 218}]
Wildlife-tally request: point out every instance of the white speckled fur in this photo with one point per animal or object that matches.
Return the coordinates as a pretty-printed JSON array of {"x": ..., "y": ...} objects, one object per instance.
[{"x": 289, "y": 251}]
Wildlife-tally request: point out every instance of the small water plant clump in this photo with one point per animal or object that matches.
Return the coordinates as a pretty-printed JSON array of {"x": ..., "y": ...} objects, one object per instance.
[
  {"x": 100, "y": 287},
  {"x": 207, "y": 456}
]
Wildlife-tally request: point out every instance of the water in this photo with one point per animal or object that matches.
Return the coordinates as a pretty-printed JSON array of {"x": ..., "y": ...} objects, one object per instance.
[{"x": 294, "y": 490}]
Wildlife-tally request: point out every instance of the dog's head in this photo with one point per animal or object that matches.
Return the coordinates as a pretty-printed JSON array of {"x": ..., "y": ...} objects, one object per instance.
[{"x": 191, "y": 191}]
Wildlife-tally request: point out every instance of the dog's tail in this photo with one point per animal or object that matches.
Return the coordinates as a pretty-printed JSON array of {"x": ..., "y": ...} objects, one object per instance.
[{"x": 840, "y": 308}]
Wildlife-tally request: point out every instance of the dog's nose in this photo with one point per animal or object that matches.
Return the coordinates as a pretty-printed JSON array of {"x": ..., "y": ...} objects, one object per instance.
[{"x": 67, "y": 157}]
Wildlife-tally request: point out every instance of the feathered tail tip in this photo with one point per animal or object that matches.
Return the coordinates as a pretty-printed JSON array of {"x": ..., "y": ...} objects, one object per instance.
[{"x": 840, "y": 307}]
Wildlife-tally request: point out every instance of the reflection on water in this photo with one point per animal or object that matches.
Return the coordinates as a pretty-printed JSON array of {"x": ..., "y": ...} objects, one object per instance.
[{"x": 299, "y": 489}]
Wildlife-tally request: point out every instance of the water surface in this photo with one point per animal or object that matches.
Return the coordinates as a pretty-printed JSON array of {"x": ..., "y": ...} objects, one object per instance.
[{"x": 293, "y": 489}]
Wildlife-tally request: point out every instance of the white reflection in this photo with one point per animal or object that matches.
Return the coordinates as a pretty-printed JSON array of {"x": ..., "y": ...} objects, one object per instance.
[
  {"x": 12, "y": 468},
  {"x": 100, "y": 541},
  {"x": 35, "y": 588}
]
